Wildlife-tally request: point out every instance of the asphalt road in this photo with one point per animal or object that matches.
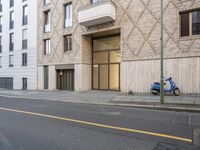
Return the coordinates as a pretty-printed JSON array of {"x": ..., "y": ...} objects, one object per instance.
[{"x": 47, "y": 125}]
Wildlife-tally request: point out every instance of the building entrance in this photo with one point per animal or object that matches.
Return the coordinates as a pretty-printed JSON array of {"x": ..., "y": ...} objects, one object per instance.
[
  {"x": 65, "y": 79},
  {"x": 106, "y": 63}
]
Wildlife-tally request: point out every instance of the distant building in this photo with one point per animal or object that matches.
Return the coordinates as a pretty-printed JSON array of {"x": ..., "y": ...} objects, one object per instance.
[{"x": 18, "y": 44}]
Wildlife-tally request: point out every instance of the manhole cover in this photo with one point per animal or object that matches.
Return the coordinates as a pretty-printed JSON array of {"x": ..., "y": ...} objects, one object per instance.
[
  {"x": 196, "y": 137},
  {"x": 165, "y": 146}
]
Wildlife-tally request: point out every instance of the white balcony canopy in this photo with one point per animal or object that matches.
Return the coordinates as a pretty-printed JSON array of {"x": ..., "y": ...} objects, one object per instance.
[{"x": 97, "y": 13}]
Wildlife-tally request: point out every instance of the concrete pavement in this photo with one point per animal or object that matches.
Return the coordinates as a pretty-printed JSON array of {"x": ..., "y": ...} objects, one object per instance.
[{"x": 184, "y": 102}]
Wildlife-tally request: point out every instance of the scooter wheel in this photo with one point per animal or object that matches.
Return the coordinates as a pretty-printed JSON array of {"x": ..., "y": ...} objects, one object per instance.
[
  {"x": 176, "y": 92},
  {"x": 154, "y": 92}
]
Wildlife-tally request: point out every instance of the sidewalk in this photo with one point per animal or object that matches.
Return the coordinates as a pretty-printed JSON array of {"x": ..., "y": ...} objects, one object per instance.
[{"x": 184, "y": 103}]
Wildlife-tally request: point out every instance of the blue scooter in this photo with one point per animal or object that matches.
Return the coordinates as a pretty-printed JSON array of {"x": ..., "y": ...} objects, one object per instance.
[{"x": 155, "y": 88}]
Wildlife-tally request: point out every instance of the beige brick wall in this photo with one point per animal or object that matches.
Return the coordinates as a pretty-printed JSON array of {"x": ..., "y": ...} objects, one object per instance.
[{"x": 139, "y": 23}]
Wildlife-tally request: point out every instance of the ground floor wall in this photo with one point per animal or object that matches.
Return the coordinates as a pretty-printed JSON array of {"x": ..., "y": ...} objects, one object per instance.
[
  {"x": 137, "y": 76},
  {"x": 18, "y": 72},
  {"x": 18, "y": 76},
  {"x": 82, "y": 76}
]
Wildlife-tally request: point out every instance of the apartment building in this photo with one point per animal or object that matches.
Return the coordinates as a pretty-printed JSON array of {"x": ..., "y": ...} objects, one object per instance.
[
  {"x": 18, "y": 44},
  {"x": 115, "y": 44}
]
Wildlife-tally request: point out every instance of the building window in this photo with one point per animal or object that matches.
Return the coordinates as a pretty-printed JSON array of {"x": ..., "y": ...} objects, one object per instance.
[
  {"x": 0, "y": 23},
  {"x": 25, "y": 15},
  {"x": 196, "y": 23},
  {"x": 0, "y": 61},
  {"x": 11, "y": 61},
  {"x": 190, "y": 23},
  {"x": 0, "y": 44},
  {"x": 24, "y": 39},
  {"x": 11, "y": 44},
  {"x": 11, "y": 19},
  {"x": 11, "y": 3},
  {"x": 47, "y": 18},
  {"x": 95, "y": 1},
  {"x": 1, "y": 6},
  {"x": 46, "y": 2},
  {"x": 24, "y": 59},
  {"x": 24, "y": 83},
  {"x": 67, "y": 43},
  {"x": 46, "y": 77},
  {"x": 68, "y": 15},
  {"x": 47, "y": 46}
]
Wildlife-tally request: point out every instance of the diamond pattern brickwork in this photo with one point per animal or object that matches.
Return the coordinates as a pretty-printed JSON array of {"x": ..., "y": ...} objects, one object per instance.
[{"x": 139, "y": 21}]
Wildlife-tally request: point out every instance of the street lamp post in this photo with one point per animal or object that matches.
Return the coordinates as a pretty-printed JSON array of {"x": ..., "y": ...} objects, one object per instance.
[{"x": 161, "y": 59}]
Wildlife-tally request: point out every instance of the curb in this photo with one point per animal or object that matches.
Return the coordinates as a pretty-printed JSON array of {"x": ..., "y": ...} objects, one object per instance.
[{"x": 145, "y": 106}]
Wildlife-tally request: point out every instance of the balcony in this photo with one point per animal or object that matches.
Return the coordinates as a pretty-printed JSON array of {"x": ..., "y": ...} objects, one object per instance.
[{"x": 97, "y": 13}]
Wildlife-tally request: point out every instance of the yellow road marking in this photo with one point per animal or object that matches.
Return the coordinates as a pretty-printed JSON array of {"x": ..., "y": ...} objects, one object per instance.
[{"x": 101, "y": 125}]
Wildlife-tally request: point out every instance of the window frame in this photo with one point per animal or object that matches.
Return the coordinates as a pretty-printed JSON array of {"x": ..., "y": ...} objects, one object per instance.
[
  {"x": 24, "y": 59},
  {"x": 47, "y": 52},
  {"x": 47, "y": 2},
  {"x": 25, "y": 14},
  {"x": 0, "y": 61},
  {"x": 68, "y": 45},
  {"x": 11, "y": 60},
  {"x": 68, "y": 19},
  {"x": 11, "y": 41},
  {"x": 24, "y": 83},
  {"x": 12, "y": 18},
  {"x": 12, "y": 3},
  {"x": 190, "y": 24},
  {"x": 25, "y": 38}
]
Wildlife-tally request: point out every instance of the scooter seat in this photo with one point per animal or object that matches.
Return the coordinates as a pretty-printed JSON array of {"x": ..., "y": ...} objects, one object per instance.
[{"x": 156, "y": 83}]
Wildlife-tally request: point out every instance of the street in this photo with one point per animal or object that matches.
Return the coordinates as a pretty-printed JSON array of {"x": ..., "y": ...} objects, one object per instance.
[{"x": 28, "y": 124}]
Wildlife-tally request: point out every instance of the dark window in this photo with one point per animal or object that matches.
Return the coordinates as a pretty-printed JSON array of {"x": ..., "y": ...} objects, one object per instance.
[
  {"x": 11, "y": 60},
  {"x": 47, "y": 20},
  {"x": 0, "y": 23},
  {"x": 24, "y": 39},
  {"x": 67, "y": 43},
  {"x": 46, "y": 77},
  {"x": 11, "y": 44},
  {"x": 11, "y": 19},
  {"x": 0, "y": 44},
  {"x": 185, "y": 27},
  {"x": 11, "y": 3},
  {"x": 24, "y": 83},
  {"x": 0, "y": 61},
  {"x": 47, "y": 46},
  {"x": 25, "y": 15},
  {"x": 24, "y": 59},
  {"x": 196, "y": 23},
  {"x": 0, "y": 6}
]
